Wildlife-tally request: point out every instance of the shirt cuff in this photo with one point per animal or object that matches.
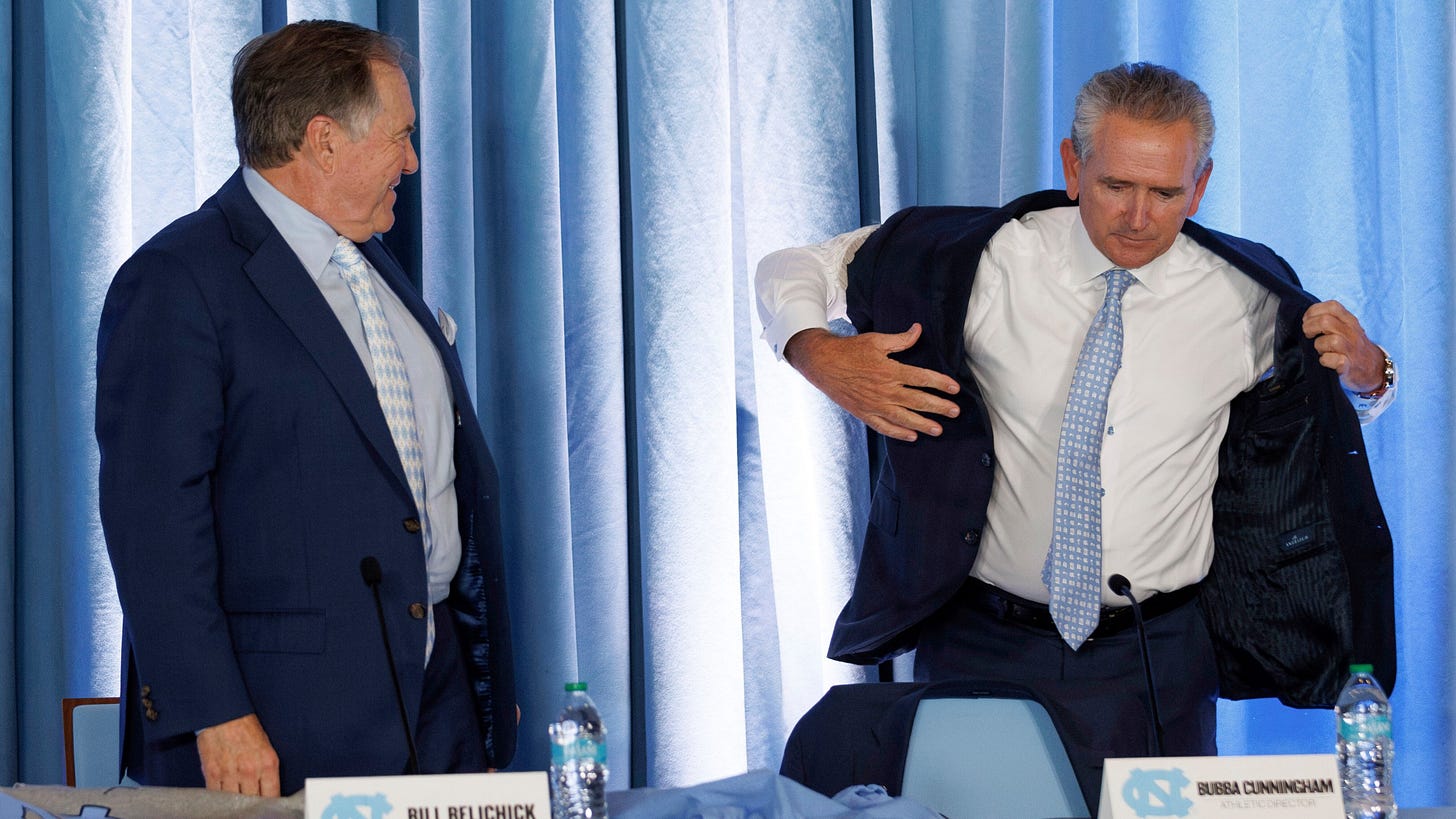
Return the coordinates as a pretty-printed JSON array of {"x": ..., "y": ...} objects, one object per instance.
[
  {"x": 1368, "y": 409},
  {"x": 794, "y": 317}
]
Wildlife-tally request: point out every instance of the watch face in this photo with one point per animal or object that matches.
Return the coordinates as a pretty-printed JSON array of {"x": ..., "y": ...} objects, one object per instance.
[{"x": 1386, "y": 385}]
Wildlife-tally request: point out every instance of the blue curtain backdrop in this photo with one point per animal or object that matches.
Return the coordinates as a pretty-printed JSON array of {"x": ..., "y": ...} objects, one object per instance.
[{"x": 599, "y": 180}]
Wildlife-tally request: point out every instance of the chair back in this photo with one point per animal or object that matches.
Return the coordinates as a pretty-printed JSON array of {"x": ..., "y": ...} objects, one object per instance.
[
  {"x": 93, "y": 741},
  {"x": 990, "y": 757}
]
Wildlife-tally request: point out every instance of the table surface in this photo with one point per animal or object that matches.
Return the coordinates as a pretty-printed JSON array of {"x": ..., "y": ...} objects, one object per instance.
[{"x": 194, "y": 803}]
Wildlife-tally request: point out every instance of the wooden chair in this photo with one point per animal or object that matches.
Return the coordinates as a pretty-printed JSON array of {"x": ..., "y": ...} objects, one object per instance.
[{"x": 93, "y": 741}]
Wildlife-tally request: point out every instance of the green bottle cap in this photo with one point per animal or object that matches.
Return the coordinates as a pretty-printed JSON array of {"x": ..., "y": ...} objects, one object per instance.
[
  {"x": 576, "y": 686},
  {"x": 1362, "y": 668}
]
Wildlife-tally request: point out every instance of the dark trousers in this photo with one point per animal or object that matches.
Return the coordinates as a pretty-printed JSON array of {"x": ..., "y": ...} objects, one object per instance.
[
  {"x": 448, "y": 734},
  {"x": 1099, "y": 690}
]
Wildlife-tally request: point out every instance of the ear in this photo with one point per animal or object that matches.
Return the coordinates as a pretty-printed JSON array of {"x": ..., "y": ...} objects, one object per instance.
[
  {"x": 1071, "y": 168},
  {"x": 320, "y": 138},
  {"x": 1199, "y": 186}
]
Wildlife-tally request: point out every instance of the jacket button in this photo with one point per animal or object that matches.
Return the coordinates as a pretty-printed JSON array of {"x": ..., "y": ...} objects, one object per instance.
[
  {"x": 146, "y": 691},
  {"x": 972, "y": 536},
  {"x": 985, "y": 459},
  {"x": 412, "y": 525},
  {"x": 417, "y": 611},
  {"x": 152, "y": 714}
]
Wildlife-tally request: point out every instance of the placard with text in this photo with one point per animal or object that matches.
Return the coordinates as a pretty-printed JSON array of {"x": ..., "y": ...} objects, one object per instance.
[
  {"x": 430, "y": 796},
  {"x": 1202, "y": 787}
]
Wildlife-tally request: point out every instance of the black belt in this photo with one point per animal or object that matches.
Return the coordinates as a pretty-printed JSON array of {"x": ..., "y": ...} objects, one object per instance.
[{"x": 1003, "y": 605}]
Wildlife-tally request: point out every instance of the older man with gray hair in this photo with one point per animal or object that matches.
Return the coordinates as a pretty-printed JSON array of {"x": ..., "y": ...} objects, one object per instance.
[
  {"x": 1086, "y": 396},
  {"x": 279, "y": 412}
]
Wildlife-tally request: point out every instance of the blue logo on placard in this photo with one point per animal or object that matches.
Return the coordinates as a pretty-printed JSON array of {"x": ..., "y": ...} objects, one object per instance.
[
  {"x": 342, "y": 806},
  {"x": 1156, "y": 792}
]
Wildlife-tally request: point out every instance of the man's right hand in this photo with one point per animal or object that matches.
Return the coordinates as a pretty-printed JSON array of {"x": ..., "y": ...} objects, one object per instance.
[
  {"x": 857, "y": 373},
  {"x": 238, "y": 758}
]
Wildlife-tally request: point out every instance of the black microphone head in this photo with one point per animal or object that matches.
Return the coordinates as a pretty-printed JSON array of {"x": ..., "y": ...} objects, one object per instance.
[
  {"x": 1119, "y": 585},
  {"x": 370, "y": 570}
]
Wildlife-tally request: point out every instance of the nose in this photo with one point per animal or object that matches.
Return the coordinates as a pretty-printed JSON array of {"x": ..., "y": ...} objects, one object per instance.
[
  {"x": 411, "y": 159},
  {"x": 1137, "y": 211}
]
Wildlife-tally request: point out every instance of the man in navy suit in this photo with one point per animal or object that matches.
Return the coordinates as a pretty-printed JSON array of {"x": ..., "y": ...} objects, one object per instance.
[
  {"x": 248, "y": 466},
  {"x": 1233, "y": 493}
]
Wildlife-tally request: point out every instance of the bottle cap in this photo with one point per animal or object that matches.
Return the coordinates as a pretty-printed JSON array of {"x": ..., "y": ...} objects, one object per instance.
[
  {"x": 1362, "y": 668},
  {"x": 576, "y": 686}
]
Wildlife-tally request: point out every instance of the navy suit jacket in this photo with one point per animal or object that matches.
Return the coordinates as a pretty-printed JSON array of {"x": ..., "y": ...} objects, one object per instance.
[
  {"x": 1302, "y": 581},
  {"x": 246, "y": 469}
]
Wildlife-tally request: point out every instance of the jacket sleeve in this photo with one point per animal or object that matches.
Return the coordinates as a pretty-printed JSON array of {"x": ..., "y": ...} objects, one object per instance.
[{"x": 159, "y": 421}]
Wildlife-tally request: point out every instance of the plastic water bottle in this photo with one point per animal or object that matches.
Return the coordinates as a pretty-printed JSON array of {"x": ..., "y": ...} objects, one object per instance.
[
  {"x": 578, "y": 758},
  {"x": 1364, "y": 747}
]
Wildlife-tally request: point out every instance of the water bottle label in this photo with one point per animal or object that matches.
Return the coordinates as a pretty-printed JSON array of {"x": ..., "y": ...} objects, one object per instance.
[
  {"x": 1373, "y": 726},
  {"x": 580, "y": 750}
]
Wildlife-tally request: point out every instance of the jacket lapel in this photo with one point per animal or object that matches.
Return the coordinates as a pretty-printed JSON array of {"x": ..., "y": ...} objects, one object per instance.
[
  {"x": 281, "y": 280},
  {"x": 393, "y": 275},
  {"x": 1255, "y": 261}
]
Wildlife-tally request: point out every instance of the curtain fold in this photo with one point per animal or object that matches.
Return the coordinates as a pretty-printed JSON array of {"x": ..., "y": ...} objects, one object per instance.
[
  {"x": 9, "y": 408},
  {"x": 678, "y": 73},
  {"x": 543, "y": 299},
  {"x": 598, "y": 182},
  {"x": 794, "y": 173}
]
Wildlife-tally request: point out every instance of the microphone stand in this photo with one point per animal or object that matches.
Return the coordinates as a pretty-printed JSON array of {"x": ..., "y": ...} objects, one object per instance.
[
  {"x": 1121, "y": 587},
  {"x": 369, "y": 568}
]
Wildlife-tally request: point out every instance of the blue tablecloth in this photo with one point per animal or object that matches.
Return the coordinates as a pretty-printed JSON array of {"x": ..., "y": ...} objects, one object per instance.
[
  {"x": 758, "y": 794},
  {"x": 761, "y": 794}
]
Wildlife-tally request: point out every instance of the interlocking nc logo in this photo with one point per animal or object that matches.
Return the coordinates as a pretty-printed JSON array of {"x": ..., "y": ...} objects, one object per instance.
[
  {"x": 1156, "y": 792},
  {"x": 357, "y": 807},
  {"x": 11, "y": 808}
]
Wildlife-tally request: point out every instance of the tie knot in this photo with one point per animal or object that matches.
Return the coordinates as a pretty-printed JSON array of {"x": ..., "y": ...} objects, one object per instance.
[
  {"x": 1118, "y": 281},
  {"x": 348, "y": 258}
]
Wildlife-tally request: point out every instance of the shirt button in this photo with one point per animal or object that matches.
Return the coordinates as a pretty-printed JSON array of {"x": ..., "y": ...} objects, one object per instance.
[
  {"x": 417, "y": 610},
  {"x": 412, "y": 525}
]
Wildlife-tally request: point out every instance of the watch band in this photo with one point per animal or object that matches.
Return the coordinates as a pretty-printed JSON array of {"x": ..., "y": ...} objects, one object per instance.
[{"x": 1384, "y": 385}]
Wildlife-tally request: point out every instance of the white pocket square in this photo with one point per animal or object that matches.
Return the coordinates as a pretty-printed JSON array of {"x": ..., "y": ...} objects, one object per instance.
[{"x": 447, "y": 326}]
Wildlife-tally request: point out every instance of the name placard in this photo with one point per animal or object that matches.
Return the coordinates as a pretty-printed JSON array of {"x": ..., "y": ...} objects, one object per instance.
[
  {"x": 429, "y": 796},
  {"x": 1287, "y": 787}
]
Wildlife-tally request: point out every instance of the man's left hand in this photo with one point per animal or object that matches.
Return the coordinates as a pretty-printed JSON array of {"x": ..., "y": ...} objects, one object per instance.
[{"x": 1344, "y": 347}]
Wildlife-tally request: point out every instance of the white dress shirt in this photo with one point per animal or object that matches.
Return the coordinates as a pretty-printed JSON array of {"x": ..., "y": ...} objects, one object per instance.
[
  {"x": 312, "y": 240},
  {"x": 1197, "y": 332}
]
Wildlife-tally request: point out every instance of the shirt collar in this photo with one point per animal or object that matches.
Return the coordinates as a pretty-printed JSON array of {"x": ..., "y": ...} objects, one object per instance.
[
  {"x": 310, "y": 237},
  {"x": 1086, "y": 262}
]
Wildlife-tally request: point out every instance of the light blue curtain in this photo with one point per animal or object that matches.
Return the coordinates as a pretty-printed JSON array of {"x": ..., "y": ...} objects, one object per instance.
[
  {"x": 598, "y": 182},
  {"x": 8, "y": 471}
]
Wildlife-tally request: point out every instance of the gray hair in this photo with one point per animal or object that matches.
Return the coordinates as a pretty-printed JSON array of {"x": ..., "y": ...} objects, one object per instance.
[
  {"x": 283, "y": 79},
  {"x": 1146, "y": 92}
]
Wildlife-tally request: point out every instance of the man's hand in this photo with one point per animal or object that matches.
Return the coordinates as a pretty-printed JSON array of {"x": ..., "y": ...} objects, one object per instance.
[
  {"x": 1344, "y": 347},
  {"x": 857, "y": 373},
  {"x": 238, "y": 758}
]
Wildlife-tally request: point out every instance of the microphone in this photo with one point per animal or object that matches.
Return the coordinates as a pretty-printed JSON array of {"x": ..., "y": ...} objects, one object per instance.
[
  {"x": 1122, "y": 588},
  {"x": 372, "y": 573}
]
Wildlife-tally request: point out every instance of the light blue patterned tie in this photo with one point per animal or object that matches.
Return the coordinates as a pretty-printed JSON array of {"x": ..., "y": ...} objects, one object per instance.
[
  {"x": 391, "y": 383},
  {"x": 1073, "y": 572}
]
